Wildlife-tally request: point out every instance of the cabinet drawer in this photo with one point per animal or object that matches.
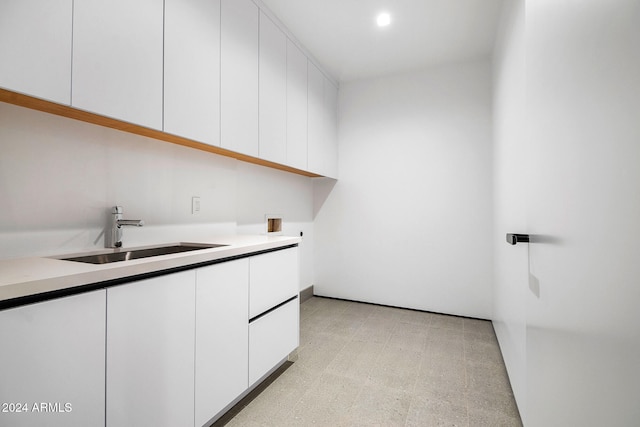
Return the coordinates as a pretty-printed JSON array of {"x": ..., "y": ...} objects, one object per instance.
[
  {"x": 272, "y": 337},
  {"x": 273, "y": 280}
]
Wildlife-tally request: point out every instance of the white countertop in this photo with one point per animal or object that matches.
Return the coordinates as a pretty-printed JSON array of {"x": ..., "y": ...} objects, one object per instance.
[{"x": 31, "y": 276}]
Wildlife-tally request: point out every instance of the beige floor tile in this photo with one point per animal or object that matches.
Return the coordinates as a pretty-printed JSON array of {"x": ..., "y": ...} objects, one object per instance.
[
  {"x": 311, "y": 327},
  {"x": 442, "y": 370},
  {"x": 396, "y": 369},
  {"x": 450, "y": 346},
  {"x": 493, "y": 402},
  {"x": 328, "y": 402},
  {"x": 360, "y": 309},
  {"x": 487, "y": 418},
  {"x": 445, "y": 384},
  {"x": 427, "y": 411},
  {"x": 345, "y": 324},
  {"x": 387, "y": 313},
  {"x": 379, "y": 406},
  {"x": 478, "y": 327},
  {"x": 416, "y": 317},
  {"x": 408, "y": 336},
  {"x": 320, "y": 350},
  {"x": 356, "y": 360},
  {"x": 444, "y": 321},
  {"x": 307, "y": 309},
  {"x": 482, "y": 352},
  {"x": 374, "y": 330},
  {"x": 332, "y": 306},
  {"x": 489, "y": 377},
  {"x": 278, "y": 400}
]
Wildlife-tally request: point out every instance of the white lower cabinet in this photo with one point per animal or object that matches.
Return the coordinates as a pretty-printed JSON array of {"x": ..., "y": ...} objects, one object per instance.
[
  {"x": 274, "y": 279},
  {"x": 272, "y": 337},
  {"x": 222, "y": 352},
  {"x": 173, "y": 350},
  {"x": 274, "y": 328},
  {"x": 150, "y": 352},
  {"x": 52, "y": 362}
]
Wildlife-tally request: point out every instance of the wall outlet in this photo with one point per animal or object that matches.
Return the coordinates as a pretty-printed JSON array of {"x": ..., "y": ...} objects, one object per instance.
[{"x": 195, "y": 205}]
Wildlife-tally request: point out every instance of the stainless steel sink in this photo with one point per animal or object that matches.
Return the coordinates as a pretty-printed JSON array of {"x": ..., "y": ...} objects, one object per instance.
[{"x": 122, "y": 255}]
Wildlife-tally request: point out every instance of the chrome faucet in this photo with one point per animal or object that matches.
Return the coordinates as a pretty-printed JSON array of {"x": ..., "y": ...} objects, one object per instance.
[{"x": 114, "y": 238}]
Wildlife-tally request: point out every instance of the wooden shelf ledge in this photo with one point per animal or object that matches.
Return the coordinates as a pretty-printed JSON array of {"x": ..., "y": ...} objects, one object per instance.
[{"x": 96, "y": 119}]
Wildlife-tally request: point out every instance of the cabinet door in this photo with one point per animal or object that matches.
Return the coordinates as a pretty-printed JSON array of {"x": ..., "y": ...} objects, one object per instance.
[
  {"x": 272, "y": 337},
  {"x": 35, "y": 47},
  {"x": 150, "y": 351},
  {"x": 239, "y": 76},
  {"x": 53, "y": 353},
  {"x": 192, "y": 69},
  {"x": 315, "y": 81},
  {"x": 274, "y": 279},
  {"x": 323, "y": 124},
  {"x": 296, "y": 107},
  {"x": 222, "y": 352},
  {"x": 330, "y": 111},
  {"x": 272, "y": 92},
  {"x": 117, "y": 59}
]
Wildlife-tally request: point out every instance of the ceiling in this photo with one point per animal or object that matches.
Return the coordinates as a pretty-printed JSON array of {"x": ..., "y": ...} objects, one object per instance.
[{"x": 343, "y": 36}]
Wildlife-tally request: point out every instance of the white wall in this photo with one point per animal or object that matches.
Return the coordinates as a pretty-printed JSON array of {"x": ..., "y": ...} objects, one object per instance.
[
  {"x": 581, "y": 206},
  {"x": 409, "y": 221},
  {"x": 59, "y": 178}
]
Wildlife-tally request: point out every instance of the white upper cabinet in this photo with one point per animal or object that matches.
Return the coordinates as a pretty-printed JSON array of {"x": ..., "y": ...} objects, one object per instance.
[
  {"x": 35, "y": 48},
  {"x": 220, "y": 72},
  {"x": 239, "y": 76},
  {"x": 315, "y": 123},
  {"x": 192, "y": 69},
  {"x": 117, "y": 59},
  {"x": 272, "y": 92},
  {"x": 322, "y": 122},
  {"x": 330, "y": 148},
  {"x": 296, "y": 107}
]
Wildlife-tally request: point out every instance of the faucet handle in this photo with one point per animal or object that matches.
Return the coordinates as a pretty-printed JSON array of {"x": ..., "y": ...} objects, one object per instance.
[{"x": 117, "y": 210}]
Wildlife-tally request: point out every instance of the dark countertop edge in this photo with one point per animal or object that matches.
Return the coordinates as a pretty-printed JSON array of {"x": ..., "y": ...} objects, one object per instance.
[{"x": 74, "y": 290}]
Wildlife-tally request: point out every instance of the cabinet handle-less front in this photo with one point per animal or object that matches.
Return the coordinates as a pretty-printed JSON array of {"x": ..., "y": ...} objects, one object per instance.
[{"x": 513, "y": 238}]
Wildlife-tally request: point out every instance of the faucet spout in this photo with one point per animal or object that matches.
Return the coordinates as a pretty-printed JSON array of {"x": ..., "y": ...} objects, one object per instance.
[
  {"x": 114, "y": 238},
  {"x": 130, "y": 222}
]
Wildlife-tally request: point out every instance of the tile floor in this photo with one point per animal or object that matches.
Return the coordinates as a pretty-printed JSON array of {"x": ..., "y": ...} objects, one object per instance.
[{"x": 368, "y": 365}]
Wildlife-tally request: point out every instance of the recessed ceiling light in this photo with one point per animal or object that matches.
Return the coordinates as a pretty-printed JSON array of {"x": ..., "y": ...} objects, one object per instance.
[{"x": 383, "y": 19}]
